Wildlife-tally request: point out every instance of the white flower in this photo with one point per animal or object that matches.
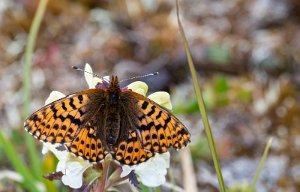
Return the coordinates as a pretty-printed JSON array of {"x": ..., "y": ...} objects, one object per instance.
[
  {"x": 71, "y": 166},
  {"x": 138, "y": 87},
  {"x": 162, "y": 98},
  {"x": 151, "y": 173}
]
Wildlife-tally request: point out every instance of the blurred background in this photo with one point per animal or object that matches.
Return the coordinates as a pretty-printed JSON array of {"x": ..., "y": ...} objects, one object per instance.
[{"x": 247, "y": 55}]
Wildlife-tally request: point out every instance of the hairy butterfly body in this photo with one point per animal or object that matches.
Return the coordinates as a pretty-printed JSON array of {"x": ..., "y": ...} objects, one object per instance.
[{"x": 108, "y": 120}]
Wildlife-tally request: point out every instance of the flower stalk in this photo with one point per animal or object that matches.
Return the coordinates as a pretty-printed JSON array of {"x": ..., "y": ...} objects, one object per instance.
[{"x": 101, "y": 185}]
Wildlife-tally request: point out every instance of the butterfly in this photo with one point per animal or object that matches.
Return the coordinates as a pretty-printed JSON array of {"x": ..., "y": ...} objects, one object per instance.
[{"x": 108, "y": 120}]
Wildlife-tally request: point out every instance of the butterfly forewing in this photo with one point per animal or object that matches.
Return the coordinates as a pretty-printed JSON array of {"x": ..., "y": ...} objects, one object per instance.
[
  {"x": 60, "y": 121},
  {"x": 164, "y": 131}
]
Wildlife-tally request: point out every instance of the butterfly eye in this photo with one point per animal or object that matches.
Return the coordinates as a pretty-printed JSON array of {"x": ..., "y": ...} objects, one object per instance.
[{"x": 110, "y": 140}]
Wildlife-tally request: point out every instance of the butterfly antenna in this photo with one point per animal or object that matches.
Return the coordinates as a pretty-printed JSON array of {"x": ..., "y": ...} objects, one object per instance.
[
  {"x": 141, "y": 76},
  {"x": 82, "y": 70}
]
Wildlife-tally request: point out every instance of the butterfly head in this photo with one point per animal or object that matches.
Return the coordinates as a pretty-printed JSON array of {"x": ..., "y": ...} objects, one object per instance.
[{"x": 114, "y": 84}]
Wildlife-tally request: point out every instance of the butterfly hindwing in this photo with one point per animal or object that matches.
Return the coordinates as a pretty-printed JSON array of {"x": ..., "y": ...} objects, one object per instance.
[
  {"x": 87, "y": 145},
  {"x": 131, "y": 152}
]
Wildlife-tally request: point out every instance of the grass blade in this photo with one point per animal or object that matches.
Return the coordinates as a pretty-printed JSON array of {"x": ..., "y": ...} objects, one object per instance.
[
  {"x": 261, "y": 165},
  {"x": 33, "y": 155},
  {"x": 201, "y": 105},
  {"x": 13, "y": 156}
]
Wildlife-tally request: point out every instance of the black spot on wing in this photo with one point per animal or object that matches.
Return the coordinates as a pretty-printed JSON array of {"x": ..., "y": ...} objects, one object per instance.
[
  {"x": 147, "y": 127},
  {"x": 167, "y": 121},
  {"x": 145, "y": 104},
  {"x": 63, "y": 105},
  {"x": 72, "y": 103},
  {"x": 152, "y": 111},
  {"x": 158, "y": 115},
  {"x": 80, "y": 98}
]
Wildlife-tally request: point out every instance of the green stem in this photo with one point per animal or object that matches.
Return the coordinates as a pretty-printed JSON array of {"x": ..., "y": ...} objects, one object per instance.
[
  {"x": 201, "y": 105},
  {"x": 33, "y": 155}
]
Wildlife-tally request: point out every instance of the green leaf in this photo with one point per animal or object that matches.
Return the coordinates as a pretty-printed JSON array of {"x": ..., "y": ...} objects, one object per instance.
[
  {"x": 188, "y": 107},
  {"x": 221, "y": 84}
]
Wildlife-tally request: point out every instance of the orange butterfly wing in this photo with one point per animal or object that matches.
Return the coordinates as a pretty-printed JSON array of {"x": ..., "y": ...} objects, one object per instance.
[
  {"x": 61, "y": 120},
  {"x": 153, "y": 130},
  {"x": 67, "y": 121}
]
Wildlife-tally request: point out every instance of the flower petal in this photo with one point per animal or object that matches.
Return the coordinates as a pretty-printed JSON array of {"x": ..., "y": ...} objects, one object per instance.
[
  {"x": 89, "y": 77},
  {"x": 138, "y": 87},
  {"x": 54, "y": 95},
  {"x": 153, "y": 172},
  {"x": 96, "y": 80},
  {"x": 162, "y": 98},
  {"x": 60, "y": 154},
  {"x": 126, "y": 169},
  {"x": 73, "y": 175},
  {"x": 73, "y": 169},
  {"x": 45, "y": 149}
]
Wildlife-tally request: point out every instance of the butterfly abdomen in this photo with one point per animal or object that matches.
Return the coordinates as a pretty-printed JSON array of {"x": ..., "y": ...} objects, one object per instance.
[
  {"x": 112, "y": 118},
  {"x": 112, "y": 125}
]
